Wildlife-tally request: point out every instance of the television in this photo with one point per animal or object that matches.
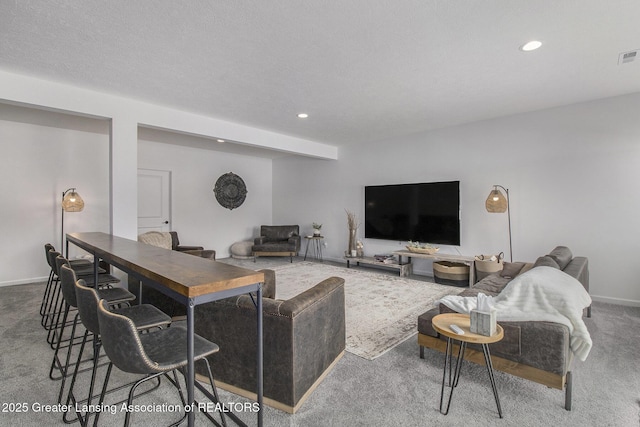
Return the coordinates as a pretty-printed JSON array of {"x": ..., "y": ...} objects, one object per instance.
[{"x": 425, "y": 212}]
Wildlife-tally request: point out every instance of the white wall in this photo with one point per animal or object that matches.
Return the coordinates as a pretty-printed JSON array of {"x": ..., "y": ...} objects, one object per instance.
[
  {"x": 196, "y": 214},
  {"x": 43, "y": 154},
  {"x": 125, "y": 115},
  {"x": 115, "y": 166},
  {"x": 572, "y": 172}
]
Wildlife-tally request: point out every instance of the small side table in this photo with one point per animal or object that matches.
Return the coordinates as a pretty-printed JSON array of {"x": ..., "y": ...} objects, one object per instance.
[
  {"x": 441, "y": 324},
  {"x": 316, "y": 244}
]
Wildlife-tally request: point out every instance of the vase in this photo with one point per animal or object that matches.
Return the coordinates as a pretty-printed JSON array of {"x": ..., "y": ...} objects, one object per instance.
[
  {"x": 352, "y": 241},
  {"x": 316, "y": 231}
]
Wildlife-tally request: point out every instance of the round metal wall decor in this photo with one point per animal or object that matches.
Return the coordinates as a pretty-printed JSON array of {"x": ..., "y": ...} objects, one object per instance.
[{"x": 230, "y": 190}]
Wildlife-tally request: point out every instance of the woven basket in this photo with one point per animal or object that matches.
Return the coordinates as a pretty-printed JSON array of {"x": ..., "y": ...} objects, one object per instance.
[
  {"x": 485, "y": 266},
  {"x": 451, "y": 273}
]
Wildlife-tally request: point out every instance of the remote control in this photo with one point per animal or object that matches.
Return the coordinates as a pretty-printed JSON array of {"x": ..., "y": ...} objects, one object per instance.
[{"x": 456, "y": 329}]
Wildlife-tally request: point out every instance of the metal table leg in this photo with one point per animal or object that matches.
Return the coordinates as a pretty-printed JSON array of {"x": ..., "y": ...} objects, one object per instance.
[
  {"x": 306, "y": 250},
  {"x": 319, "y": 249},
  {"x": 489, "y": 363},
  {"x": 191, "y": 416},
  {"x": 456, "y": 375},
  {"x": 259, "y": 351},
  {"x": 460, "y": 358},
  {"x": 447, "y": 361}
]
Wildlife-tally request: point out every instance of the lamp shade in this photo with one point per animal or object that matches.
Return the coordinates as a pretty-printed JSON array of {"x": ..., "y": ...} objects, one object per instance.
[
  {"x": 72, "y": 202},
  {"x": 496, "y": 202}
]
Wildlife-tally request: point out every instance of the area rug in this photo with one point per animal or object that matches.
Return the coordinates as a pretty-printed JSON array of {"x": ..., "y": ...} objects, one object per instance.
[{"x": 381, "y": 310}]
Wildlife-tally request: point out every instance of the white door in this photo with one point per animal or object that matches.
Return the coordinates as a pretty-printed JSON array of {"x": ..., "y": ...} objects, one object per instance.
[{"x": 154, "y": 200}]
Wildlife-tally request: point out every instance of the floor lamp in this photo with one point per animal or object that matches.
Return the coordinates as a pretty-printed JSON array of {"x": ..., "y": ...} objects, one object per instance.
[
  {"x": 497, "y": 203},
  {"x": 71, "y": 202}
]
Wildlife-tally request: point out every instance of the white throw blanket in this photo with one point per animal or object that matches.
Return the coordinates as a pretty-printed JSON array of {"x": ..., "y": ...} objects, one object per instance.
[{"x": 541, "y": 294}]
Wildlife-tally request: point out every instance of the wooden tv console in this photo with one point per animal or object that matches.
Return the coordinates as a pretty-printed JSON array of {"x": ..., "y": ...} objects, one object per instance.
[
  {"x": 404, "y": 269},
  {"x": 468, "y": 260}
]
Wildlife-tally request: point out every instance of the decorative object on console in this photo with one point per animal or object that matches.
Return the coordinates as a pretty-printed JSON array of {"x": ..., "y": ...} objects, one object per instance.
[
  {"x": 352, "y": 224},
  {"x": 71, "y": 202},
  {"x": 422, "y": 248},
  {"x": 359, "y": 249},
  {"x": 385, "y": 258},
  {"x": 230, "y": 190},
  {"x": 497, "y": 203}
]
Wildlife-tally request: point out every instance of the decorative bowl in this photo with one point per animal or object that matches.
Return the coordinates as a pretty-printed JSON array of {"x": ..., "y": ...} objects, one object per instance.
[{"x": 428, "y": 251}]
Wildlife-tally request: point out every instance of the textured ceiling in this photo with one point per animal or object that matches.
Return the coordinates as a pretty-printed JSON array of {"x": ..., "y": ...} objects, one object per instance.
[{"x": 364, "y": 70}]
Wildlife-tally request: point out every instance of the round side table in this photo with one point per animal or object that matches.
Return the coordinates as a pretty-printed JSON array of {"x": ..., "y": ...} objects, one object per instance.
[
  {"x": 441, "y": 324},
  {"x": 317, "y": 246}
]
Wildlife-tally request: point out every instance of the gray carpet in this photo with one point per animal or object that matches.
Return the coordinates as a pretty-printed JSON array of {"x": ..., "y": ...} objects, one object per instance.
[{"x": 396, "y": 389}]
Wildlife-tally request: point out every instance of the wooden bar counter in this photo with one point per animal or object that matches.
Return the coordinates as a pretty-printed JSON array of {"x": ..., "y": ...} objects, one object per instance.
[{"x": 186, "y": 278}]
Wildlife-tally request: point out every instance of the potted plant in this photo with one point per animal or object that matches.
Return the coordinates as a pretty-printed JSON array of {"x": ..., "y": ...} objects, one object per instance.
[{"x": 316, "y": 228}]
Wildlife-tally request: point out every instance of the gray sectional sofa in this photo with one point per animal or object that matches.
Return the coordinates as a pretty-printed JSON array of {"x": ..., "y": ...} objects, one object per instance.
[{"x": 537, "y": 351}]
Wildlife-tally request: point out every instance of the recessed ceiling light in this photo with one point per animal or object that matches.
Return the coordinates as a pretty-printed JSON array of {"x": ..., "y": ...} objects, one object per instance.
[
  {"x": 303, "y": 115},
  {"x": 532, "y": 45},
  {"x": 221, "y": 140}
]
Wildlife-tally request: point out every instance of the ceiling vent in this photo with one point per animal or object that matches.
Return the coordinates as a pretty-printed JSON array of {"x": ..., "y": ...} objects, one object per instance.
[{"x": 626, "y": 57}]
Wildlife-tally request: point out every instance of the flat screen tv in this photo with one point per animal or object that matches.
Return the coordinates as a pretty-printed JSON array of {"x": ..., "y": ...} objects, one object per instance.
[{"x": 426, "y": 212}]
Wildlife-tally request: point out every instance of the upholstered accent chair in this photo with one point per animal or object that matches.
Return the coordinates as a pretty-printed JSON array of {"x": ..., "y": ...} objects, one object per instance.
[
  {"x": 277, "y": 240},
  {"x": 304, "y": 337},
  {"x": 169, "y": 240}
]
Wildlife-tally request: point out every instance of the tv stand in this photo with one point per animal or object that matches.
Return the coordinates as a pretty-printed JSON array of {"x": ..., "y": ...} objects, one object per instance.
[
  {"x": 404, "y": 269},
  {"x": 468, "y": 260}
]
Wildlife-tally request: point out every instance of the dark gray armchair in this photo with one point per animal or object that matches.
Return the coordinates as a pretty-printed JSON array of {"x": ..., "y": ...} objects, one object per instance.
[
  {"x": 304, "y": 337},
  {"x": 169, "y": 240},
  {"x": 277, "y": 240},
  {"x": 192, "y": 250}
]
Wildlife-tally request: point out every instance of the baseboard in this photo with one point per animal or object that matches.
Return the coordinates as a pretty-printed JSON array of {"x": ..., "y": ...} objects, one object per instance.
[
  {"x": 271, "y": 402},
  {"x": 24, "y": 281},
  {"x": 616, "y": 301}
]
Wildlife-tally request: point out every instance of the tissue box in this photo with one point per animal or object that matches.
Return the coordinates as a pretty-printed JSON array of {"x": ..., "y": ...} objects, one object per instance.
[{"x": 483, "y": 322}]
